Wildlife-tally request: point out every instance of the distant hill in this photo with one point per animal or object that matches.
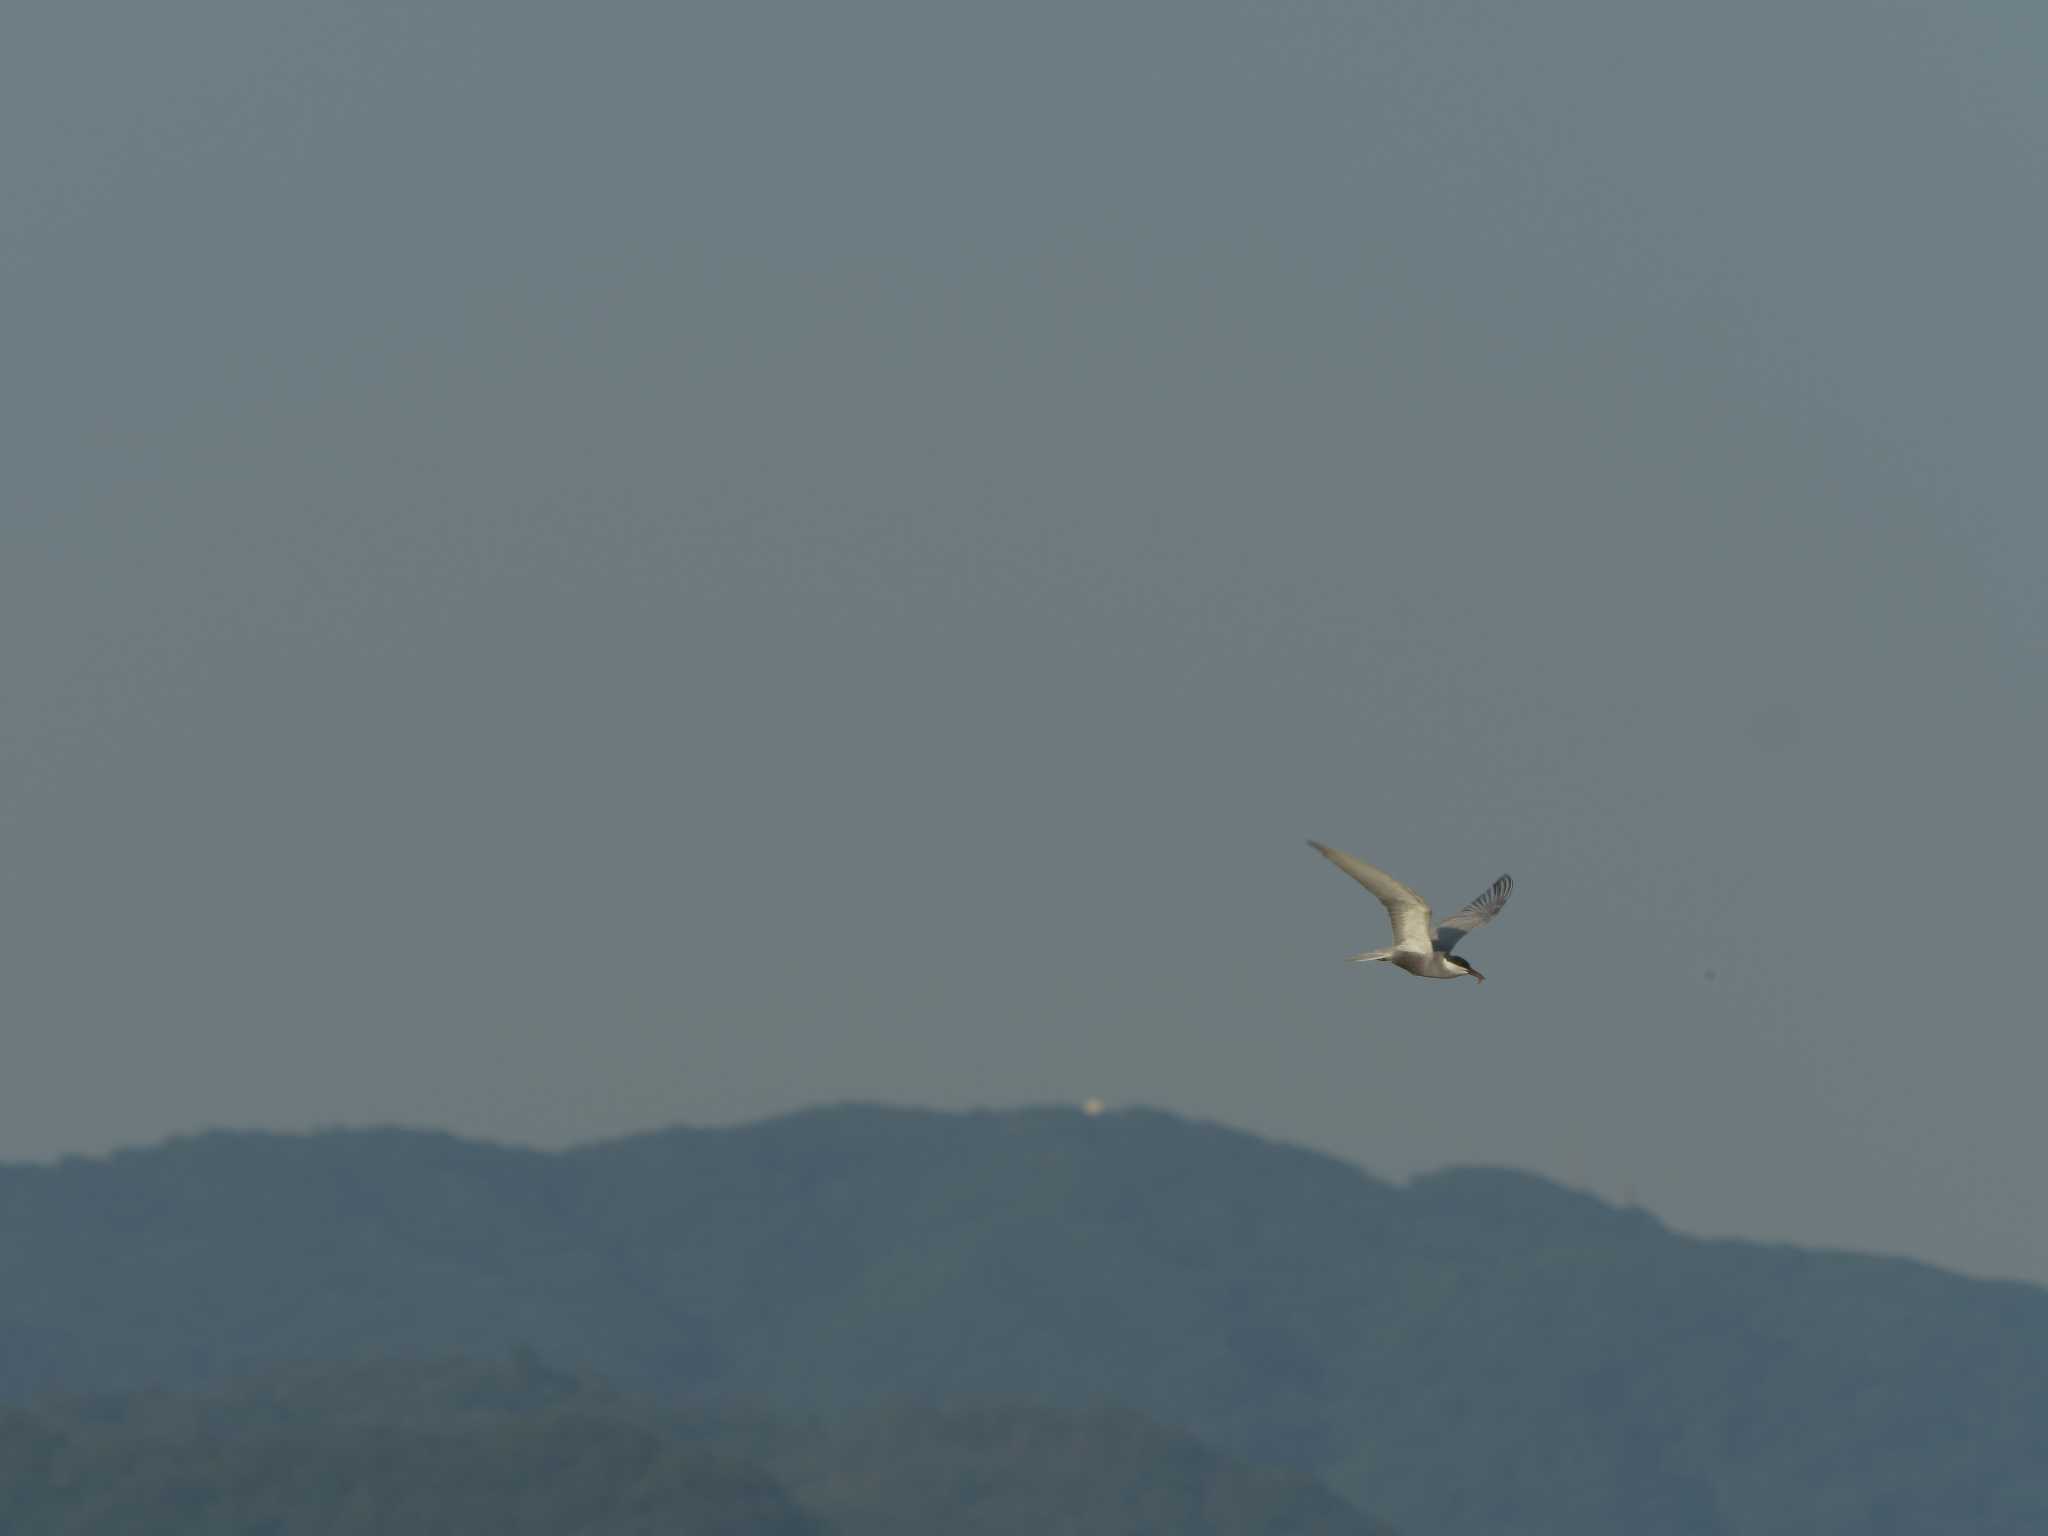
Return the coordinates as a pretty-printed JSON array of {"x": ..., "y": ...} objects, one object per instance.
[
  {"x": 459, "y": 1448},
  {"x": 1477, "y": 1352},
  {"x": 594, "y": 1477}
]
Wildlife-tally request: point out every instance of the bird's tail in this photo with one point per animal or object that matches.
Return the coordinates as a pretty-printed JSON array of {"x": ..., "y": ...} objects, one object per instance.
[{"x": 1373, "y": 954}]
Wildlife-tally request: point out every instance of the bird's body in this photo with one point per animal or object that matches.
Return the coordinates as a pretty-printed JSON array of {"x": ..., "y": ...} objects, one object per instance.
[
  {"x": 1430, "y": 967},
  {"x": 1422, "y": 946}
]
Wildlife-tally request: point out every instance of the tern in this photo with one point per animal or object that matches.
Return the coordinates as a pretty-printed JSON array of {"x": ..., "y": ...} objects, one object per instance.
[{"x": 1422, "y": 946}]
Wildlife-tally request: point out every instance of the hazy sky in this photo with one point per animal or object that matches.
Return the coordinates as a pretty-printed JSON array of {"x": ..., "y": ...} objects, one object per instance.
[{"x": 569, "y": 568}]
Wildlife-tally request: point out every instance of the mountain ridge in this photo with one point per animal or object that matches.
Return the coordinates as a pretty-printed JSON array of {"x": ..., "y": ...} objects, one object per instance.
[
  {"x": 1475, "y": 1350},
  {"x": 458, "y": 1446}
]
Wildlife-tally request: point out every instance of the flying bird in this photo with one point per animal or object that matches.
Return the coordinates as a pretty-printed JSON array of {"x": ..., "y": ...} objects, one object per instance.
[{"x": 1422, "y": 945}]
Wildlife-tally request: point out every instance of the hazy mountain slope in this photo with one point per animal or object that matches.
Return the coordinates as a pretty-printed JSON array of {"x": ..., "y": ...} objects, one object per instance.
[
  {"x": 1003, "y": 1467},
  {"x": 594, "y": 1476},
  {"x": 454, "y": 1446},
  {"x": 216, "y": 1254},
  {"x": 1479, "y": 1352}
]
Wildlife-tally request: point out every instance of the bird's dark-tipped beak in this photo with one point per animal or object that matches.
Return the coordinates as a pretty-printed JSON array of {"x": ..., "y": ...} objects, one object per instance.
[{"x": 1475, "y": 975}]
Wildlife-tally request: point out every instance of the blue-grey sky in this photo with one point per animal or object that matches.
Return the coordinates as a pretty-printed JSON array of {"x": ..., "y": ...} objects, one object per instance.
[{"x": 572, "y": 568}]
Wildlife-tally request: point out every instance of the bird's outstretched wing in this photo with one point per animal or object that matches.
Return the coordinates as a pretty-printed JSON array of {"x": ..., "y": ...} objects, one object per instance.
[
  {"x": 1408, "y": 912},
  {"x": 1474, "y": 914}
]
